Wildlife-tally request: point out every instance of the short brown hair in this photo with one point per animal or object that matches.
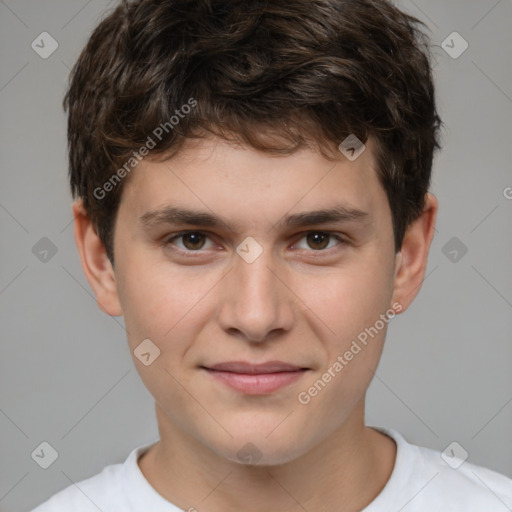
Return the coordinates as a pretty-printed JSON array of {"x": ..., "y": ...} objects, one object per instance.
[{"x": 310, "y": 72}]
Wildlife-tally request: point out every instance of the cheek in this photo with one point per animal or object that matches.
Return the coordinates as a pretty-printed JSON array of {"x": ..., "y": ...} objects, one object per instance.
[
  {"x": 350, "y": 302},
  {"x": 149, "y": 313},
  {"x": 351, "y": 298},
  {"x": 164, "y": 305}
]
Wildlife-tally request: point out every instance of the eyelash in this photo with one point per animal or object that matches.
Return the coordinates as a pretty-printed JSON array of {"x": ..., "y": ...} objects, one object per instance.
[{"x": 168, "y": 241}]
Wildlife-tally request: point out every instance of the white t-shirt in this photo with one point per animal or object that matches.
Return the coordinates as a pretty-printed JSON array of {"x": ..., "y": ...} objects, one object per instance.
[{"x": 421, "y": 481}]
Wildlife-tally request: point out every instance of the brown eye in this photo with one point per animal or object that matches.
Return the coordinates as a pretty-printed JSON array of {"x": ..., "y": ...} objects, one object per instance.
[
  {"x": 191, "y": 241},
  {"x": 318, "y": 240}
]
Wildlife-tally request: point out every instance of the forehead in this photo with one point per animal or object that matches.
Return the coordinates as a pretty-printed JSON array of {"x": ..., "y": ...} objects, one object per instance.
[{"x": 245, "y": 185}]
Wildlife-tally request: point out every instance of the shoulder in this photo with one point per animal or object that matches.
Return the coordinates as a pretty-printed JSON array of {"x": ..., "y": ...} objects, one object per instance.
[
  {"x": 103, "y": 491},
  {"x": 469, "y": 485},
  {"x": 425, "y": 479}
]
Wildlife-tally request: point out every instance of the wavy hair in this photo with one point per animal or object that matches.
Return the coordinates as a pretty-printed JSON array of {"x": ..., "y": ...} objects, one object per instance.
[{"x": 276, "y": 75}]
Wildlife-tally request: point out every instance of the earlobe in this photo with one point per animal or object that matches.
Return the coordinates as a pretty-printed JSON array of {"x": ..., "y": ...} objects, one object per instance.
[
  {"x": 413, "y": 257},
  {"x": 95, "y": 263}
]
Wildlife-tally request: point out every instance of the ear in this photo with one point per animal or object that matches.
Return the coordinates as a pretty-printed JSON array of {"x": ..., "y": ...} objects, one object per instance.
[
  {"x": 95, "y": 263},
  {"x": 411, "y": 261}
]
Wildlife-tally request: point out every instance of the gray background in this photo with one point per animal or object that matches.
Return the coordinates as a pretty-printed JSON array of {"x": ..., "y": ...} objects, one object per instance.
[{"x": 66, "y": 374}]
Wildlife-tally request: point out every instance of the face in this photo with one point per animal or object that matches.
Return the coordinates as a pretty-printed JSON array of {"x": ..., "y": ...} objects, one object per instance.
[{"x": 256, "y": 279}]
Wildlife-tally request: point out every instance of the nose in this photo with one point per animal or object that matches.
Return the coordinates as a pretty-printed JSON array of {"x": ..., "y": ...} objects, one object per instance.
[{"x": 255, "y": 302}]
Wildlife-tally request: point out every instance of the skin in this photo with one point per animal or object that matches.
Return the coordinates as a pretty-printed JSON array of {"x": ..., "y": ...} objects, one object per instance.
[{"x": 301, "y": 301}]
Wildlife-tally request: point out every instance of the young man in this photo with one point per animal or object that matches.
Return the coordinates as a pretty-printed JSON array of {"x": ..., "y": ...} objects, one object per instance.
[{"x": 252, "y": 196}]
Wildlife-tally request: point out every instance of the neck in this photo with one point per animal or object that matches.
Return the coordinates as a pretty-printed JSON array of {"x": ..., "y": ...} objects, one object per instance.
[{"x": 344, "y": 472}]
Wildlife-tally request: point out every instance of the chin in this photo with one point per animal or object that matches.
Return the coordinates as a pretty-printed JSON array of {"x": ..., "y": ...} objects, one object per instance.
[
  {"x": 252, "y": 454},
  {"x": 262, "y": 446}
]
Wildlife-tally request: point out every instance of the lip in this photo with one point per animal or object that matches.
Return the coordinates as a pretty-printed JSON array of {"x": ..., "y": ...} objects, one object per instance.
[{"x": 256, "y": 379}]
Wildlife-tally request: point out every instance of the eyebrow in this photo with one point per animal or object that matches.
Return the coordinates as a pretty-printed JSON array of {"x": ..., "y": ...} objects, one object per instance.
[{"x": 174, "y": 215}]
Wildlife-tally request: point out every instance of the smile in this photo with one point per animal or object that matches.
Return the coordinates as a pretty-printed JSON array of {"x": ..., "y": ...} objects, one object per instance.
[{"x": 252, "y": 379}]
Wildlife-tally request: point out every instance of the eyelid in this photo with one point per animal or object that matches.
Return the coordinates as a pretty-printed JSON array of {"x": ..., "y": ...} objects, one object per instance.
[
  {"x": 342, "y": 239},
  {"x": 169, "y": 239}
]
